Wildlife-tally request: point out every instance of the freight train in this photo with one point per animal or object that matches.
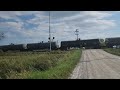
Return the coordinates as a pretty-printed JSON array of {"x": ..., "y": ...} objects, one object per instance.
[
  {"x": 29, "y": 47},
  {"x": 65, "y": 45}
]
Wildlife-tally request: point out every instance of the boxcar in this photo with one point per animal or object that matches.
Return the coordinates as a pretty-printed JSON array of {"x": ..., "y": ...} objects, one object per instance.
[
  {"x": 110, "y": 42},
  {"x": 90, "y": 43},
  {"x": 41, "y": 46},
  {"x": 69, "y": 44}
]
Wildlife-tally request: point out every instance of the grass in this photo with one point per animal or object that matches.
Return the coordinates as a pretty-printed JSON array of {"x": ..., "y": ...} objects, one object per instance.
[
  {"x": 62, "y": 70},
  {"x": 38, "y": 65},
  {"x": 113, "y": 51}
]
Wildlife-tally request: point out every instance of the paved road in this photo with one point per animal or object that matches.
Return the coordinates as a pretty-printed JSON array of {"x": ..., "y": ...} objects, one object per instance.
[{"x": 97, "y": 64}]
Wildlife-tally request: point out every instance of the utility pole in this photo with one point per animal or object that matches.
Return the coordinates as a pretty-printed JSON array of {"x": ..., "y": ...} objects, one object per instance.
[
  {"x": 49, "y": 32},
  {"x": 76, "y": 33}
]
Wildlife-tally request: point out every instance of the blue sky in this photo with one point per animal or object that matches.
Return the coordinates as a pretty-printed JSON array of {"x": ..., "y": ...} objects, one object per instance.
[{"x": 32, "y": 26}]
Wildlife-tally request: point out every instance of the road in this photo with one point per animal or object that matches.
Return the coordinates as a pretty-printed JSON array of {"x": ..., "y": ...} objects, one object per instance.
[{"x": 97, "y": 64}]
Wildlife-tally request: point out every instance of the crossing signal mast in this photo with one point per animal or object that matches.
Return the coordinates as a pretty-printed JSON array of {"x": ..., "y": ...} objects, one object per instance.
[
  {"x": 50, "y": 39},
  {"x": 76, "y": 33},
  {"x": 49, "y": 32}
]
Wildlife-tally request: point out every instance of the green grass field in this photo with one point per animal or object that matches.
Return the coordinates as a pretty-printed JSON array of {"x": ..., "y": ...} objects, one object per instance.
[
  {"x": 113, "y": 51},
  {"x": 38, "y": 65}
]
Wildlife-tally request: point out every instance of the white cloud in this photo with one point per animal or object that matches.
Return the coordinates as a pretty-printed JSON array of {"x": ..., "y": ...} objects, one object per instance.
[
  {"x": 63, "y": 24},
  {"x": 96, "y": 14}
]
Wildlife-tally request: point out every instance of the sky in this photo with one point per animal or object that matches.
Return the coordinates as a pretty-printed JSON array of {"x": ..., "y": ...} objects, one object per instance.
[{"x": 22, "y": 27}]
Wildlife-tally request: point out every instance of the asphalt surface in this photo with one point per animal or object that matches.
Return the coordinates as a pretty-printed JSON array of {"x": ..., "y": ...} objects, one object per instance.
[{"x": 97, "y": 64}]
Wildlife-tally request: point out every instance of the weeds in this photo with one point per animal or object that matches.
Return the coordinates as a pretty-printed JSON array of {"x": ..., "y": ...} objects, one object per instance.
[
  {"x": 113, "y": 51},
  {"x": 56, "y": 64}
]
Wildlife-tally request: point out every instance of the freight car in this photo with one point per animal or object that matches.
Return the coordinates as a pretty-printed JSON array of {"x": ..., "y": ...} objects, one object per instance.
[
  {"x": 91, "y": 43},
  {"x": 88, "y": 44},
  {"x": 110, "y": 42},
  {"x": 69, "y": 44},
  {"x": 41, "y": 46},
  {"x": 20, "y": 47}
]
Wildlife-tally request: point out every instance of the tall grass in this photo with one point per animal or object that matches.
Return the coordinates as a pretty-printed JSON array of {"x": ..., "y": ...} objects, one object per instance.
[
  {"x": 54, "y": 64},
  {"x": 27, "y": 61},
  {"x": 61, "y": 71},
  {"x": 113, "y": 51}
]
